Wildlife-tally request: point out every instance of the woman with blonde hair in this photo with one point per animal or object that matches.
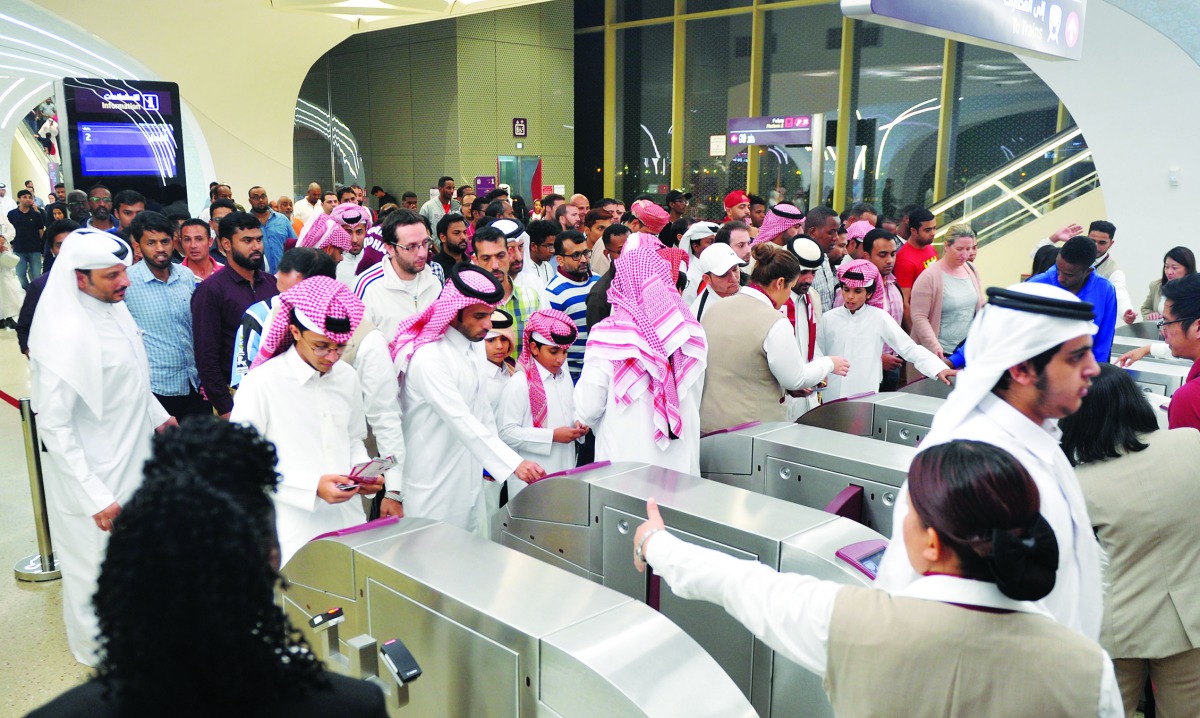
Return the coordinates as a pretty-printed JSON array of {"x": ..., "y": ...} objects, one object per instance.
[{"x": 946, "y": 296}]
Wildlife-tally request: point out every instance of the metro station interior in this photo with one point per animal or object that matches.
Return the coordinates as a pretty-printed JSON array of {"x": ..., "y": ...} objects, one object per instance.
[{"x": 628, "y": 99}]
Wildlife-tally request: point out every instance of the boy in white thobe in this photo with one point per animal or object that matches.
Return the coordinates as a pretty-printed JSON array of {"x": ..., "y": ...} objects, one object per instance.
[
  {"x": 96, "y": 415},
  {"x": 449, "y": 426},
  {"x": 301, "y": 397},
  {"x": 858, "y": 330},
  {"x": 537, "y": 415}
]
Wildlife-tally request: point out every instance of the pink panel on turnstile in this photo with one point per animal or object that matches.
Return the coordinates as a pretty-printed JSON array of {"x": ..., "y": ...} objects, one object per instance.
[
  {"x": 368, "y": 526},
  {"x": 739, "y": 427},
  {"x": 848, "y": 503}
]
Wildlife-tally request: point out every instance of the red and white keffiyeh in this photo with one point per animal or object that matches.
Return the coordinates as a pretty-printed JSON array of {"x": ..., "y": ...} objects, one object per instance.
[
  {"x": 551, "y": 327},
  {"x": 322, "y": 305},
  {"x": 326, "y": 232},
  {"x": 652, "y": 339},
  {"x": 861, "y": 273},
  {"x": 779, "y": 219},
  {"x": 349, "y": 214},
  {"x": 858, "y": 230},
  {"x": 466, "y": 285}
]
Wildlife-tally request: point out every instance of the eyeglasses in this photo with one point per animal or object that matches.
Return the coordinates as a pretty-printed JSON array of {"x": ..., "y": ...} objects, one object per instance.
[
  {"x": 98, "y": 200},
  {"x": 324, "y": 351},
  {"x": 1162, "y": 323},
  {"x": 576, "y": 256},
  {"x": 427, "y": 244},
  {"x": 258, "y": 196}
]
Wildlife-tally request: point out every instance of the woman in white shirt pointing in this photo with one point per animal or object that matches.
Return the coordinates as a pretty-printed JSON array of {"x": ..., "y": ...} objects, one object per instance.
[{"x": 965, "y": 639}]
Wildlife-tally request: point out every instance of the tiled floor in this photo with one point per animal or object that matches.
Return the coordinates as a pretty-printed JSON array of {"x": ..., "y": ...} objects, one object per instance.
[{"x": 35, "y": 664}]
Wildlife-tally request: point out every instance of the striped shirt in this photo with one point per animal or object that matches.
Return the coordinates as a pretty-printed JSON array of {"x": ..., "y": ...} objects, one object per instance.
[
  {"x": 523, "y": 302},
  {"x": 569, "y": 296},
  {"x": 163, "y": 313},
  {"x": 375, "y": 273}
]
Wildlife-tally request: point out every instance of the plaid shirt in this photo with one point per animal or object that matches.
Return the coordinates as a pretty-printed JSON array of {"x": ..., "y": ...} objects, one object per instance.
[
  {"x": 825, "y": 281},
  {"x": 523, "y": 302},
  {"x": 163, "y": 311}
]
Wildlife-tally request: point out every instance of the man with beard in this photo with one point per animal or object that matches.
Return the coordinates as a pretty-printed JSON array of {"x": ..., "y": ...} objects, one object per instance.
[
  {"x": 915, "y": 255},
  {"x": 356, "y": 220},
  {"x": 443, "y": 204},
  {"x": 222, "y": 299},
  {"x": 491, "y": 254},
  {"x": 159, "y": 298},
  {"x": 821, "y": 225},
  {"x": 276, "y": 227},
  {"x": 452, "y": 235},
  {"x": 99, "y": 203},
  {"x": 403, "y": 283},
  {"x": 568, "y": 290}
]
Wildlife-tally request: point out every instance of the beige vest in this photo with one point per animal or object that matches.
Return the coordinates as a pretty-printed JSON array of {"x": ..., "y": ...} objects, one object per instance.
[
  {"x": 1143, "y": 507},
  {"x": 738, "y": 385},
  {"x": 1107, "y": 267},
  {"x": 365, "y": 327},
  {"x": 904, "y": 657}
]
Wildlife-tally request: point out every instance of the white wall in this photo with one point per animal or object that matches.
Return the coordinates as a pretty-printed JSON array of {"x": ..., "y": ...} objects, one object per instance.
[{"x": 1134, "y": 95}]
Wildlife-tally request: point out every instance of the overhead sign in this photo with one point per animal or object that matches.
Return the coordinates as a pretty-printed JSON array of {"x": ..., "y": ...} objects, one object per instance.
[
  {"x": 1046, "y": 28},
  {"x": 773, "y": 130},
  {"x": 484, "y": 184},
  {"x": 520, "y": 127},
  {"x": 716, "y": 145}
]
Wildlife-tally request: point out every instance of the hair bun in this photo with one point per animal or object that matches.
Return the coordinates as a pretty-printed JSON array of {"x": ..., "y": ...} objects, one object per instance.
[
  {"x": 763, "y": 252},
  {"x": 1024, "y": 566}
]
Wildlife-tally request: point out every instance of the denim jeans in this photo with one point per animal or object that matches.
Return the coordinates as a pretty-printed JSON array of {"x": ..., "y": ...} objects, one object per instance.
[{"x": 31, "y": 263}]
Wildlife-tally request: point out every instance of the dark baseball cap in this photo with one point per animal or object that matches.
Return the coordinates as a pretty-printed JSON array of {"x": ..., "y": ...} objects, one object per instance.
[{"x": 676, "y": 195}]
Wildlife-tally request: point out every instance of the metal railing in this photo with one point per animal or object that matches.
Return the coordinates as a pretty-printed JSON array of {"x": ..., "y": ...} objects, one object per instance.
[{"x": 1032, "y": 184}]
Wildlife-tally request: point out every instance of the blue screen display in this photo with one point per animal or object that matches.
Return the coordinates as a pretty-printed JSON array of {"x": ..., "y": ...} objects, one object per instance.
[{"x": 127, "y": 148}]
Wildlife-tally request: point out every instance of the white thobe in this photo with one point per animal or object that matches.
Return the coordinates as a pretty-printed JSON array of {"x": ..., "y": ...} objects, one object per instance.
[
  {"x": 793, "y": 614},
  {"x": 450, "y": 432},
  {"x": 626, "y": 433},
  {"x": 317, "y": 424},
  {"x": 347, "y": 269},
  {"x": 537, "y": 275},
  {"x": 381, "y": 402},
  {"x": 93, "y": 462},
  {"x": 1076, "y": 599},
  {"x": 694, "y": 274},
  {"x": 797, "y": 406},
  {"x": 495, "y": 378},
  {"x": 515, "y": 421},
  {"x": 302, "y": 210},
  {"x": 859, "y": 337}
]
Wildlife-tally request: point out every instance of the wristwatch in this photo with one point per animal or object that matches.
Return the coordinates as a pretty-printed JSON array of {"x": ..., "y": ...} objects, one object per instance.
[{"x": 395, "y": 496}]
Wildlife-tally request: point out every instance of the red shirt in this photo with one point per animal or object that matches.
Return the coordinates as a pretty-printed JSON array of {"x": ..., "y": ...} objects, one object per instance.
[
  {"x": 1184, "y": 410},
  {"x": 910, "y": 262}
]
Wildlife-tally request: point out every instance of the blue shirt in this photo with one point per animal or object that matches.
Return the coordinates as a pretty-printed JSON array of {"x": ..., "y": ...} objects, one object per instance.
[
  {"x": 277, "y": 230},
  {"x": 163, "y": 312},
  {"x": 570, "y": 297},
  {"x": 1099, "y": 291}
]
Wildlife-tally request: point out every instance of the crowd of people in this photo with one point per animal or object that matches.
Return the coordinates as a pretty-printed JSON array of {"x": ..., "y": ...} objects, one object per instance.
[{"x": 483, "y": 345}]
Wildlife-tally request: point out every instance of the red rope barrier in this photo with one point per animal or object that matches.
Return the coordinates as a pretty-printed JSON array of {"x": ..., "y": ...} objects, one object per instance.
[{"x": 10, "y": 400}]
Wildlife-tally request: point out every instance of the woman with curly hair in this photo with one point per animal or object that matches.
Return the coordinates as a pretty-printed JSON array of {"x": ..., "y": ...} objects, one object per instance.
[{"x": 188, "y": 624}]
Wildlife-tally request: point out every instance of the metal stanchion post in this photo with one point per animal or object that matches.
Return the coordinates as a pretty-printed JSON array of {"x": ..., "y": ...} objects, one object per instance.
[{"x": 41, "y": 566}]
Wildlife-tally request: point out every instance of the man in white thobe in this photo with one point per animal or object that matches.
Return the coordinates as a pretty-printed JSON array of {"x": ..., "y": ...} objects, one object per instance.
[
  {"x": 301, "y": 397},
  {"x": 446, "y": 411},
  {"x": 1029, "y": 360},
  {"x": 96, "y": 413}
]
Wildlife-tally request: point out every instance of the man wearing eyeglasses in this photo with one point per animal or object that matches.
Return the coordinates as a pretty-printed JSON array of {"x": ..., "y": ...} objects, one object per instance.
[
  {"x": 403, "y": 283},
  {"x": 568, "y": 290},
  {"x": 99, "y": 202},
  {"x": 277, "y": 229},
  {"x": 1180, "y": 327},
  {"x": 1073, "y": 272}
]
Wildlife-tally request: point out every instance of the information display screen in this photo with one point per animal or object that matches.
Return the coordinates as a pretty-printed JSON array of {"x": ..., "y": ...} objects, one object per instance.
[
  {"x": 126, "y": 148},
  {"x": 124, "y": 134}
]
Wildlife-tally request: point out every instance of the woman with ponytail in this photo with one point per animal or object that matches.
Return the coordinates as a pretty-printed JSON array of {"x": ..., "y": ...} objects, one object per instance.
[{"x": 964, "y": 639}]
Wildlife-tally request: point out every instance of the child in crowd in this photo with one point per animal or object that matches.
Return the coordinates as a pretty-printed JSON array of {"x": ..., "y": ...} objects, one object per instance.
[
  {"x": 498, "y": 346},
  {"x": 858, "y": 330},
  {"x": 536, "y": 413}
]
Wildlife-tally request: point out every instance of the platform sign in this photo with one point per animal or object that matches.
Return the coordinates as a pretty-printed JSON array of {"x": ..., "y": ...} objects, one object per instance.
[
  {"x": 484, "y": 184},
  {"x": 773, "y": 130},
  {"x": 1051, "y": 29},
  {"x": 520, "y": 127}
]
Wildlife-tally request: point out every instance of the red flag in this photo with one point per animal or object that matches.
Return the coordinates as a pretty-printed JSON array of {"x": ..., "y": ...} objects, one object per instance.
[{"x": 535, "y": 185}]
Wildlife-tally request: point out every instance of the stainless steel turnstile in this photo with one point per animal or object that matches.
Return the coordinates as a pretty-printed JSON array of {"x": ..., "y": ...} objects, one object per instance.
[
  {"x": 1135, "y": 336},
  {"x": 1158, "y": 377},
  {"x": 585, "y": 522},
  {"x": 897, "y": 418},
  {"x": 927, "y": 387},
  {"x": 499, "y": 634},
  {"x": 813, "y": 467}
]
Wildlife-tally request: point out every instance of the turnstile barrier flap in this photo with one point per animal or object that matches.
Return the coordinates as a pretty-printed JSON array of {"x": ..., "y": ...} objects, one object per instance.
[{"x": 732, "y": 451}]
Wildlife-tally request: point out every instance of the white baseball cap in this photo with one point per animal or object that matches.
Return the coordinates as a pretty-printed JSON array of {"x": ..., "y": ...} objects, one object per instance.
[{"x": 718, "y": 259}]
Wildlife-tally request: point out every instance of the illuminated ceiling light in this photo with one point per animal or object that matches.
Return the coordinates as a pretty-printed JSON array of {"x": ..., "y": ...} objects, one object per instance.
[
  {"x": 97, "y": 71},
  {"x": 40, "y": 31},
  {"x": 21, "y": 103}
]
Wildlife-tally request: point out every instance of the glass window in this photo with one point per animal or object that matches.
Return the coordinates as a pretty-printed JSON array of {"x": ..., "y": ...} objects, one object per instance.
[
  {"x": 643, "y": 109},
  {"x": 716, "y": 87},
  {"x": 706, "y": 5},
  {"x": 628, "y": 10},
  {"x": 900, "y": 81},
  {"x": 798, "y": 83}
]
